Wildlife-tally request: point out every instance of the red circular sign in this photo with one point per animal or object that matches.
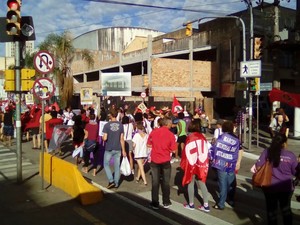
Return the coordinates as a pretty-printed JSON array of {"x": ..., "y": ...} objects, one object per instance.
[
  {"x": 43, "y": 88},
  {"x": 143, "y": 95},
  {"x": 43, "y": 62}
]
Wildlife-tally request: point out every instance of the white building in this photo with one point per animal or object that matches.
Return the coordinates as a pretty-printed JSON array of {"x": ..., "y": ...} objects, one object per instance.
[{"x": 10, "y": 48}]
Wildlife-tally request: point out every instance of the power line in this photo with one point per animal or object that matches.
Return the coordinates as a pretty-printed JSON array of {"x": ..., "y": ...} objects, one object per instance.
[
  {"x": 152, "y": 6},
  {"x": 144, "y": 14}
]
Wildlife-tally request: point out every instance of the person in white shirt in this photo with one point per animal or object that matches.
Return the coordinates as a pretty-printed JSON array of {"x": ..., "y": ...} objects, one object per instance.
[
  {"x": 140, "y": 151},
  {"x": 128, "y": 131}
]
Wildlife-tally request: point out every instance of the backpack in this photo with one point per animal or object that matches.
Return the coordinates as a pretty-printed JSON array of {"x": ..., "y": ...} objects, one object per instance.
[{"x": 204, "y": 122}]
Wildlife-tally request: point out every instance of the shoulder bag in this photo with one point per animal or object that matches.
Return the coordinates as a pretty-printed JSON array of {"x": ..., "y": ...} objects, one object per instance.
[{"x": 263, "y": 176}]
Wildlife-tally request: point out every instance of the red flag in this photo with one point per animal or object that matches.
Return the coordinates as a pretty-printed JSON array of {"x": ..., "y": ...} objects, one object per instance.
[
  {"x": 285, "y": 97},
  {"x": 194, "y": 158},
  {"x": 176, "y": 107}
]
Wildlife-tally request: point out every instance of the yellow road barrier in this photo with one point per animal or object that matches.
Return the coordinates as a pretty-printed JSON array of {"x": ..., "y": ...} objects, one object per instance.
[{"x": 66, "y": 176}]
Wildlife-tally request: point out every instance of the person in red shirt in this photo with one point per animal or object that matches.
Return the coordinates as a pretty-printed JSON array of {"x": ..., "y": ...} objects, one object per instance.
[
  {"x": 163, "y": 144},
  {"x": 50, "y": 124},
  {"x": 33, "y": 126},
  {"x": 90, "y": 145}
]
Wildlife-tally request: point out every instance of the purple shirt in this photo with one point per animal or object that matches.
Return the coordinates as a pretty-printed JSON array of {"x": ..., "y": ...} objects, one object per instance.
[
  {"x": 225, "y": 152},
  {"x": 283, "y": 174}
]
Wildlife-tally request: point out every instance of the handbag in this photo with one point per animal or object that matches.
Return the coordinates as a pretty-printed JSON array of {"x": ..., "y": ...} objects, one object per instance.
[
  {"x": 263, "y": 176},
  {"x": 125, "y": 167}
]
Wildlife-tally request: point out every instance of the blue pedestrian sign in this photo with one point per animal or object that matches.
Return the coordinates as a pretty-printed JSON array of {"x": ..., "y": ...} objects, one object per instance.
[{"x": 250, "y": 68}]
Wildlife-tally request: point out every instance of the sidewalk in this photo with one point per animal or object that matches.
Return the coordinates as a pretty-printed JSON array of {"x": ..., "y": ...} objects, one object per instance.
[{"x": 23, "y": 203}]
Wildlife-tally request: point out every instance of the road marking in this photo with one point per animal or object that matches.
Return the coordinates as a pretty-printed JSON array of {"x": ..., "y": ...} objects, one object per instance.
[
  {"x": 9, "y": 159},
  {"x": 7, "y": 154},
  {"x": 14, "y": 165},
  {"x": 83, "y": 213}
]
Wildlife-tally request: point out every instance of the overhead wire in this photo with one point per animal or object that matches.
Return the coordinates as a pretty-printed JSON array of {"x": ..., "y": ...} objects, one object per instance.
[{"x": 140, "y": 15}]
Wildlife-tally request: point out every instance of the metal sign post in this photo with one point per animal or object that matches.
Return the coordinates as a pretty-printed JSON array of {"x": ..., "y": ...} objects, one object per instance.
[
  {"x": 43, "y": 89},
  {"x": 18, "y": 112}
]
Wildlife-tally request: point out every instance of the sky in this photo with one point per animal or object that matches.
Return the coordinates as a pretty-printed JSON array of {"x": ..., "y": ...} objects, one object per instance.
[{"x": 81, "y": 16}]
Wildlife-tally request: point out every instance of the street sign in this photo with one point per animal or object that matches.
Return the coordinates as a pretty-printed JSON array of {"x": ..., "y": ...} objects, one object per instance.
[
  {"x": 43, "y": 88},
  {"x": 143, "y": 95},
  {"x": 43, "y": 62},
  {"x": 250, "y": 68},
  {"x": 266, "y": 86}
]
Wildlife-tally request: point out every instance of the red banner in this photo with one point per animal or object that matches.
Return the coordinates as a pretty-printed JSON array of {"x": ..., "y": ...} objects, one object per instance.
[
  {"x": 285, "y": 97},
  {"x": 176, "y": 107}
]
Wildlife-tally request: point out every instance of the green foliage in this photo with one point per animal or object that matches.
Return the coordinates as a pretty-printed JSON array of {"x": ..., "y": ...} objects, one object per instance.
[{"x": 63, "y": 51}]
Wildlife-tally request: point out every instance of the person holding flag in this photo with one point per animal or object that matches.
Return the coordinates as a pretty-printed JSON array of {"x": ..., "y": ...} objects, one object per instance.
[{"x": 195, "y": 163}]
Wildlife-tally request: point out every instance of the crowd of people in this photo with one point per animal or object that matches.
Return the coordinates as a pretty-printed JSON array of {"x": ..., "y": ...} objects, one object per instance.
[{"x": 160, "y": 138}]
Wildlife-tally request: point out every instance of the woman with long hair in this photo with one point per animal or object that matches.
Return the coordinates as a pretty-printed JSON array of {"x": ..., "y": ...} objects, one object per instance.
[
  {"x": 280, "y": 191},
  {"x": 140, "y": 150}
]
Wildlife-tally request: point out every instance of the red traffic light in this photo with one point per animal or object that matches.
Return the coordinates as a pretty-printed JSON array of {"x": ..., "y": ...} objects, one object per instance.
[
  {"x": 13, "y": 17},
  {"x": 13, "y": 5}
]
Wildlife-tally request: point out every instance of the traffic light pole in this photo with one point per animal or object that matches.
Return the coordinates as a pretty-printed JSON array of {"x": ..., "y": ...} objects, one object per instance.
[{"x": 18, "y": 111}]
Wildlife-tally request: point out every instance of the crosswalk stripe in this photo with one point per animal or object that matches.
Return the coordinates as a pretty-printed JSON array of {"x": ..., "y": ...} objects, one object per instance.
[
  {"x": 5, "y": 150},
  {"x": 7, "y": 154},
  {"x": 8, "y": 159},
  {"x": 14, "y": 165}
]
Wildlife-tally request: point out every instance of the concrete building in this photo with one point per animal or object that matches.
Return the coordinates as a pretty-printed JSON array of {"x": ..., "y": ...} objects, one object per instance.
[{"x": 203, "y": 69}]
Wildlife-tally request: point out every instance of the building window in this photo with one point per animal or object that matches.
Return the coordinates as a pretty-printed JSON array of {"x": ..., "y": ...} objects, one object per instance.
[{"x": 286, "y": 59}]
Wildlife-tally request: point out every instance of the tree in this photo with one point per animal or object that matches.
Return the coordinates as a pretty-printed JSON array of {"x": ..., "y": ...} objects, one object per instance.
[{"x": 63, "y": 51}]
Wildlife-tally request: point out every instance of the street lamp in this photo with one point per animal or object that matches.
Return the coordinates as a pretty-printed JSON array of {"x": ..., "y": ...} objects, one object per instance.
[
  {"x": 244, "y": 38},
  {"x": 231, "y": 17}
]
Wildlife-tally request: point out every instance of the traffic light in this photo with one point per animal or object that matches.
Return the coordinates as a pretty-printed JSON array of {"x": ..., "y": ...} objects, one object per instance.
[
  {"x": 9, "y": 82},
  {"x": 254, "y": 84},
  {"x": 257, "y": 85},
  {"x": 26, "y": 81},
  {"x": 13, "y": 17},
  {"x": 189, "y": 29},
  {"x": 258, "y": 47}
]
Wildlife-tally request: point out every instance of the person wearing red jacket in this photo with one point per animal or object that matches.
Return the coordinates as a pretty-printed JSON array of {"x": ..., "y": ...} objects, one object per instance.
[
  {"x": 33, "y": 126},
  {"x": 195, "y": 163},
  {"x": 50, "y": 124}
]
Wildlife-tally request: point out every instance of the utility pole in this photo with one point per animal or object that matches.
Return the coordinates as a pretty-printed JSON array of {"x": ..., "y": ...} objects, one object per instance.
[
  {"x": 276, "y": 37},
  {"x": 18, "y": 111},
  {"x": 249, "y": 5}
]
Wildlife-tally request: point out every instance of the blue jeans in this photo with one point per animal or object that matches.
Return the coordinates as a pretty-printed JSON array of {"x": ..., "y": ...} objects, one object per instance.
[
  {"x": 225, "y": 181},
  {"x": 161, "y": 173},
  {"x": 116, "y": 154}
]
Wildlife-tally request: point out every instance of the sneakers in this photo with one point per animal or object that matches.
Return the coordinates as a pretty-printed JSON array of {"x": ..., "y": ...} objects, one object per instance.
[
  {"x": 188, "y": 206},
  {"x": 167, "y": 205},
  {"x": 111, "y": 185},
  {"x": 204, "y": 208},
  {"x": 153, "y": 206}
]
